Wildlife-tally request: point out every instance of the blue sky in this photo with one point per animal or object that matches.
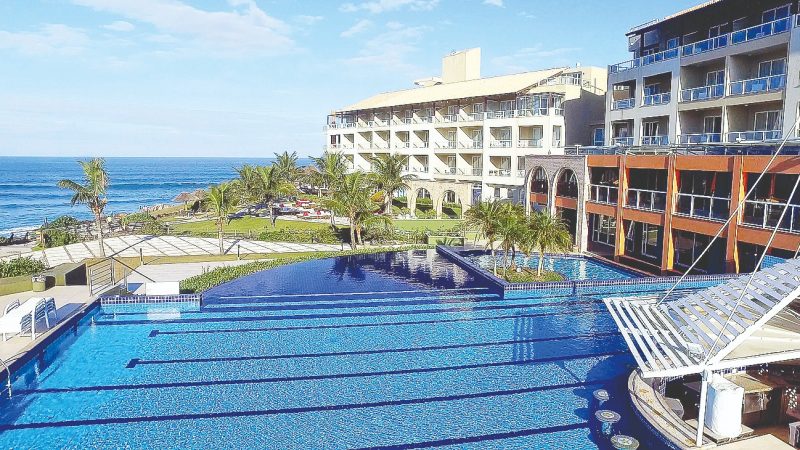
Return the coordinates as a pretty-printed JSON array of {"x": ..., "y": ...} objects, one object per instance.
[{"x": 252, "y": 77}]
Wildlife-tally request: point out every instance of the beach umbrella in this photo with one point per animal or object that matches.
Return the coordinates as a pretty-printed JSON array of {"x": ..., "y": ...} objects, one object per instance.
[
  {"x": 199, "y": 194},
  {"x": 183, "y": 197}
]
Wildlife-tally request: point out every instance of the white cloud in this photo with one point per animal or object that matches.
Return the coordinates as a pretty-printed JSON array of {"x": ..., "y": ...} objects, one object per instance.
[
  {"x": 534, "y": 58},
  {"x": 50, "y": 39},
  {"x": 498, "y": 3},
  {"x": 390, "y": 49},
  {"x": 527, "y": 15},
  {"x": 379, "y": 6},
  {"x": 120, "y": 25},
  {"x": 244, "y": 28},
  {"x": 307, "y": 20},
  {"x": 358, "y": 27}
]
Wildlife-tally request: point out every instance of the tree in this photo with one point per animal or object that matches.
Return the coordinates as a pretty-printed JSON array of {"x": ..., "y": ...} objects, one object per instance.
[
  {"x": 550, "y": 234},
  {"x": 351, "y": 199},
  {"x": 92, "y": 192},
  {"x": 329, "y": 169},
  {"x": 483, "y": 216},
  {"x": 248, "y": 188},
  {"x": 272, "y": 184},
  {"x": 387, "y": 175},
  {"x": 221, "y": 200},
  {"x": 286, "y": 165}
]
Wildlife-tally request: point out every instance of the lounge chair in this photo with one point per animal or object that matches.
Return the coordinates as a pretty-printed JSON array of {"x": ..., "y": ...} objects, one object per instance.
[{"x": 11, "y": 306}]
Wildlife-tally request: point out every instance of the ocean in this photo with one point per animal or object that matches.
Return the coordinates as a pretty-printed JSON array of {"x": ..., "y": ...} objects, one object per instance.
[{"x": 29, "y": 195}]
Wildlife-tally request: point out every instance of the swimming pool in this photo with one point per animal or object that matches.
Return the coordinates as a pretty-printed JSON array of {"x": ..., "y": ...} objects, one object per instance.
[
  {"x": 397, "y": 350},
  {"x": 576, "y": 268}
]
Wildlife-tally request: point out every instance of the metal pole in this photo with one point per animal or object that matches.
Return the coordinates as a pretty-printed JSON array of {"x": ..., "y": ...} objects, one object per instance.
[
  {"x": 701, "y": 417},
  {"x": 238, "y": 256},
  {"x": 141, "y": 257}
]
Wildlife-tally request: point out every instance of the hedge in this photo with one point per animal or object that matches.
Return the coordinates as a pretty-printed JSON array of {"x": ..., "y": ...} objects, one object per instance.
[
  {"x": 20, "y": 266},
  {"x": 220, "y": 275},
  {"x": 322, "y": 236}
]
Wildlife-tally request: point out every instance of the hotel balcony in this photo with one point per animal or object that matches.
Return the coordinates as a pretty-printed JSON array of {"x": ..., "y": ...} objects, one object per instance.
[
  {"x": 477, "y": 145},
  {"x": 449, "y": 171},
  {"x": 402, "y": 145},
  {"x": 423, "y": 169},
  {"x": 758, "y": 85},
  {"x": 500, "y": 143},
  {"x": 529, "y": 143},
  {"x": 646, "y": 60},
  {"x": 647, "y": 200},
  {"x": 655, "y": 140},
  {"x": 656, "y": 99},
  {"x": 702, "y": 93},
  {"x": 624, "y": 141},
  {"x": 766, "y": 214},
  {"x": 606, "y": 194},
  {"x": 421, "y": 146},
  {"x": 702, "y": 206},
  {"x": 703, "y": 46},
  {"x": 449, "y": 145},
  {"x": 626, "y": 103},
  {"x": 338, "y": 147},
  {"x": 699, "y": 138},
  {"x": 754, "y": 136},
  {"x": 505, "y": 173}
]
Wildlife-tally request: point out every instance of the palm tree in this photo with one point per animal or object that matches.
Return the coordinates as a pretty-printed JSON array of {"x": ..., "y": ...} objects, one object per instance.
[
  {"x": 329, "y": 169},
  {"x": 286, "y": 165},
  {"x": 510, "y": 229},
  {"x": 351, "y": 198},
  {"x": 91, "y": 193},
  {"x": 271, "y": 184},
  {"x": 483, "y": 217},
  {"x": 248, "y": 182},
  {"x": 550, "y": 234},
  {"x": 221, "y": 200},
  {"x": 387, "y": 175}
]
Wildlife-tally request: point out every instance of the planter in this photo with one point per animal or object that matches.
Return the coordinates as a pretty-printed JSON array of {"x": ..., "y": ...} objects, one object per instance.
[{"x": 39, "y": 283}]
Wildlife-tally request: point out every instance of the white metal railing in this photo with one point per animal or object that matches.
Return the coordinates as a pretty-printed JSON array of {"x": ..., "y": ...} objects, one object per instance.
[
  {"x": 423, "y": 145},
  {"x": 627, "y": 103},
  {"x": 702, "y": 93},
  {"x": 448, "y": 145},
  {"x": 477, "y": 171},
  {"x": 623, "y": 141},
  {"x": 500, "y": 114},
  {"x": 699, "y": 138},
  {"x": 419, "y": 169},
  {"x": 403, "y": 145},
  {"x": 424, "y": 119},
  {"x": 408, "y": 120},
  {"x": 704, "y": 46},
  {"x": 656, "y": 99},
  {"x": 529, "y": 143},
  {"x": 646, "y": 60},
  {"x": 756, "y": 85},
  {"x": 449, "y": 118},
  {"x": 500, "y": 143},
  {"x": 647, "y": 200},
  {"x": 558, "y": 111},
  {"x": 704, "y": 206},
  {"x": 766, "y": 214},
  {"x": 447, "y": 171},
  {"x": 599, "y": 193},
  {"x": 757, "y": 136},
  {"x": 476, "y": 116},
  {"x": 761, "y": 31},
  {"x": 500, "y": 173},
  {"x": 655, "y": 140}
]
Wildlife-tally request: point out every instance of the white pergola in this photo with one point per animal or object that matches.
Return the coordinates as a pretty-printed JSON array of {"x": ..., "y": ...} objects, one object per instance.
[{"x": 750, "y": 320}]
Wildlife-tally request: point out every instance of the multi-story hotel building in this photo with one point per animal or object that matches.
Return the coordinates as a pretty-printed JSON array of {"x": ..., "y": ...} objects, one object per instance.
[
  {"x": 691, "y": 121},
  {"x": 466, "y": 137}
]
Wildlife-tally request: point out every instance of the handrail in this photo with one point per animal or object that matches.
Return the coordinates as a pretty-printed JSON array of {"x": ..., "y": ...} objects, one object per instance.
[{"x": 8, "y": 377}]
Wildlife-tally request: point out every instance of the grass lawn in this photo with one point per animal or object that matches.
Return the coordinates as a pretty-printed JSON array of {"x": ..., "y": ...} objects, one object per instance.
[{"x": 133, "y": 262}]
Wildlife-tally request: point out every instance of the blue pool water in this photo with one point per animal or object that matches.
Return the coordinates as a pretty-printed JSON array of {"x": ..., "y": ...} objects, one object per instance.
[
  {"x": 572, "y": 267},
  {"x": 398, "y": 350}
]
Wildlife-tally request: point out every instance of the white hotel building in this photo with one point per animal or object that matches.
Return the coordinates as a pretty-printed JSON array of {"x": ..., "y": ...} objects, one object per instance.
[{"x": 466, "y": 136}]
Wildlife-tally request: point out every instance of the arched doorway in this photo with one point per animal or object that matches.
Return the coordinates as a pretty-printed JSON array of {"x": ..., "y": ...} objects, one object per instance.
[
  {"x": 539, "y": 188},
  {"x": 567, "y": 184},
  {"x": 451, "y": 206},
  {"x": 424, "y": 205}
]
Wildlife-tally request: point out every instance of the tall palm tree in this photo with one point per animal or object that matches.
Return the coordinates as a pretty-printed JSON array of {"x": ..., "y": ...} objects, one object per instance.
[
  {"x": 271, "y": 184},
  {"x": 510, "y": 227},
  {"x": 351, "y": 198},
  {"x": 221, "y": 200},
  {"x": 551, "y": 235},
  {"x": 329, "y": 169},
  {"x": 387, "y": 175},
  {"x": 248, "y": 188},
  {"x": 286, "y": 165},
  {"x": 92, "y": 192},
  {"x": 483, "y": 217}
]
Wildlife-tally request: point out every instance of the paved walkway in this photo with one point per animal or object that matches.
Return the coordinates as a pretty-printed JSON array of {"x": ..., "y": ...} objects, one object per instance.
[{"x": 157, "y": 246}]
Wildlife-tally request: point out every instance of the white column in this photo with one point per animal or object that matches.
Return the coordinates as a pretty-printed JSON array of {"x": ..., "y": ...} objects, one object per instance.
[{"x": 701, "y": 418}]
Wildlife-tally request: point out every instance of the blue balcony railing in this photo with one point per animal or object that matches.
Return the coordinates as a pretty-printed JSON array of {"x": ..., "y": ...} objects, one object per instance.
[
  {"x": 758, "y": 85},
  {"x": 761, "y": 31},
  {"x": 704, "y": 46},
  {"x": 656, "y": 99},
  {"x": 627, "y": 103},
  {"x": 702, "y": 93}
]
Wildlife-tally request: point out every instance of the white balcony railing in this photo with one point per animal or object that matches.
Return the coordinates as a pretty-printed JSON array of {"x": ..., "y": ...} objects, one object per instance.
[
  {"x": 475, "y": 117},
  {"x": 500, "y": 143},
  {"x": 702, "y": 93},
  {"x": 702, "y": 206},
  {"x": 758, "y": 85},
  {"x": 477, "y": 171},
  {"x": 754, "y": 136},
  {"x": 500, "y": 173},
  {"x": 656, "y": 99},
  {"x": 647, "y": 200},
  {"x": 447, "y": 145},
  {"x": 627, "y": 103},
  {"x": 424, "y": 119},
  {"x": 529, "y": 143},
  {"x": 699, "y": 138},
  {"x": 655, "y": 140},
  {"x": 423, "y": 169},
  {"x": 765, "y": 214},
  {"x": 646, "y": 60},
  {"x": 402, "y": 145},
  {"x": 448, "y": 171},
  {"x": 447, "y": 118},
  {"x": 599, "y": 193},
  {"x": 473, "y": 144},
  {"x": 623, "y": 141},
  {"x": 704, "y": 46}
]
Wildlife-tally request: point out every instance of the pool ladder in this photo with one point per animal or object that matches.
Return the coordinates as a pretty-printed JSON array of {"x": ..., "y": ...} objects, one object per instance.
[{"x": 8, "y": 377}]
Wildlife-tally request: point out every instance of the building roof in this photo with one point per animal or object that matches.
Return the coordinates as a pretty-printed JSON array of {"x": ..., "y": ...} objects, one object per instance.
[
  {"x": 481, "y": 87},
  {"x": 738, "y": 323},
  {"x": 672, "y": 16}
]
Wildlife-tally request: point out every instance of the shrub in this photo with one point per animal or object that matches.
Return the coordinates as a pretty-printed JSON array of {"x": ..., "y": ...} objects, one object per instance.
[
  {"x": 404, "y": 210},
  {"x": 155, "y": 228},
  {"x": 426, "y": 214},
  {"x": 20, "y": 266},
  {"x": 322, "y": 235},
  {"x": 139, "y": 217},
  {"x": 208, "y": 280},
  {"x": 57, "y": 238},
  {"x": 62, "y": 222}
]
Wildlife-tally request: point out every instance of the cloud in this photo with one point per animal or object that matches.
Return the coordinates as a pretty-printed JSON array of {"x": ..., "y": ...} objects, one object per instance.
[
  {"x": 49, "y": 39},
  {"x": 120, "y": 25},
  {"x": 358, "y": 27},
  {"x": 390, "y": 49},
  {"x": 242, "y": 29},
  {"x": 307, "y": 20},
  {"x": 498, "y": 3},
  {"x": 534, "y": 58},
  {"x": 379, "y": 6},
  {"x": 527, "y": 15}
]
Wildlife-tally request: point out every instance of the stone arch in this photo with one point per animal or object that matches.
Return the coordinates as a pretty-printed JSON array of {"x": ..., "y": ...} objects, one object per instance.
[
  {"x": 462, "y": 190},
  {"x": 422, "y": 197},
  {"x": 537, "y": 185},
  {"x": 449, "y": 196},
  {"x": 566, "y": 183}
]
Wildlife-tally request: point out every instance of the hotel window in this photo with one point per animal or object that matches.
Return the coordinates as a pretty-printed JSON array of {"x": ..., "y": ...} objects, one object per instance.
[
  {"x": 507, "y": 105},
  {"x": 767, "y": 121},
  {"x": 557, "y": 136},
  {"x": 497, "y": 192},
  {"x": 599, "y": 137},
  {"x": 650, "y": 240},
  {"x": 712, "y": 124},
  {"x": 520, "y": 163},
  {"x": 604, "y": 229},
  {"x": 673, "y": 43},
  {"x": 477, "y": 108},
  {"x": 652, "y": 89},
  {"x": 688, "y": 248},
  {"x": 780, "y": 12},
  {"x": 739, "y": 24},
  {"x": 650, "y": 129},
  {"x": 717, "y": 30},
  {"x": 716, "y": 77},
  {"x": 772, "y": 67}
]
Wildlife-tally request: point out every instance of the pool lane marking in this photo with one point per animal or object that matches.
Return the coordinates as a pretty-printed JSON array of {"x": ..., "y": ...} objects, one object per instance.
[
  {"x": 300, "y": 409},
  {"x": 156, "y": 332},
  {"x": 328, "y": 294},
  {"x": 138, "y": 361},
  {"x": 318, "y": 377},
  {"x": 482, "y": 437}
]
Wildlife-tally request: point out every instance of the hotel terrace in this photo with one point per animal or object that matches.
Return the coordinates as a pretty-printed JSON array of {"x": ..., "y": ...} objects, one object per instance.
[{"x": 466, "y": 136}]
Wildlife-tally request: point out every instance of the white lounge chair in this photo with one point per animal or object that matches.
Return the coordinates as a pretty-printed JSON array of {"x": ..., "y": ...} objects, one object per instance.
[{"x": 11, "y": 306}]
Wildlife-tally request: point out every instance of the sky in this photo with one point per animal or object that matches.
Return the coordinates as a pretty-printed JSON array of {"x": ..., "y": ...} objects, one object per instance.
[{"x": 249, "y": 78}]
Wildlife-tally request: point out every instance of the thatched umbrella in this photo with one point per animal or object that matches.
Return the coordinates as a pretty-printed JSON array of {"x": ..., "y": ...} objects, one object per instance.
[
  {"x": 184, "y": 197},
  {"x": 199, "y": 194}
]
